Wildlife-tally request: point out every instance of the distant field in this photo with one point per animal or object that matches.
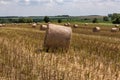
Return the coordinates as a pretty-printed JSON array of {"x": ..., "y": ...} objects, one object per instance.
[{"x": 92, "y": 56}]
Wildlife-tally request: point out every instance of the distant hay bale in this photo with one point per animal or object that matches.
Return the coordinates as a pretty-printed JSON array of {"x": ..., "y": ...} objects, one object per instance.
[
  {"x": 49, "y": 22},
  {"x": 96, "y": 29},
  {"x": 38, "y": 23},
  {"x": 4, "y": 25},
  {"x": 1, "y": 25},
  {"x": 116, "y": 25},
  {"x": 30, "y": 24},
  {"x": 57, "y": 37},
  {"x": 67, "y": 24},
  {"x": 15, "y": 23},
  {"x": 43, "y": 27},
  {"x": 86, "y": 24},
  {"x": 114, "y": 29},
  {"x": 75, "y": 26},
  {"x": 34, "y": 25}
]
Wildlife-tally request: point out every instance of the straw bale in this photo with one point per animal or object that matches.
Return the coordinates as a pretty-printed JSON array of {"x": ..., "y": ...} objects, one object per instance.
[
  {"x": 57, "y": 37},
  {"x": 96, "y": 29},
  {"x": 114, "y": 29},
  {"x": 43, "y": 27}
]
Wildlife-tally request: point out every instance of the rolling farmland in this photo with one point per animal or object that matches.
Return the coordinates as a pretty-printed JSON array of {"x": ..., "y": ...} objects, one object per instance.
[{"x": 92, "y": 55}]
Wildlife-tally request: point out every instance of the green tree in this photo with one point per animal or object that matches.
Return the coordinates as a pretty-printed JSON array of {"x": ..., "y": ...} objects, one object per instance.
[
  {"x": 29, "y": 20},
  {"x": 46, "y": 19},
  {"x": 109, "y": 15},
  {"x": 22, "y": 20},
  {"x": 114, "y": 16},
  {"x": 105, "y": 18},
  {"x": 116, "y": 21},
  {"x": 95, "y": 20},
  {"x": 59, "y": 20}
]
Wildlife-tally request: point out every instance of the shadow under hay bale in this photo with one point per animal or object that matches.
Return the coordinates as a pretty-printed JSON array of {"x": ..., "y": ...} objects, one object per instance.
[
  {"x": 96, "y": 29},
  {"x": 43, "y": 27},
  {"x": 57, "y": 38}
]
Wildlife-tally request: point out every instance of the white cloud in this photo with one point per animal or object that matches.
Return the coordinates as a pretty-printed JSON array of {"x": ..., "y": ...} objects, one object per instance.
[
  {"x": 57, "y": 1},
  {"x": 56, "y": 7},
  {"x": 4, "y": 1}
]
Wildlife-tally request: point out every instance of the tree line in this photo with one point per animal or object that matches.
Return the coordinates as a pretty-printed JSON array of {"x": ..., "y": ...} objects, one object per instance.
[{"x": 113, "y": 18}]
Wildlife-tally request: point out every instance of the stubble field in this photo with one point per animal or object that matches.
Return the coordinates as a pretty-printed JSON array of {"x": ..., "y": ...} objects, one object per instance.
[{"x": 92, "y": 55}]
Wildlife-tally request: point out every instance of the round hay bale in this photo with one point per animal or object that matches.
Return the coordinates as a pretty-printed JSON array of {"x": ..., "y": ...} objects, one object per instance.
[
  {"x": 38, "y": 23},
  {"x": 34, "y": 25},
  {"x": 65, "y": 24},
  {"x": 96, "y": 29},
  {"x": 57, "y": 37},
  {"x": 116, "y": 25},
  {"x": 15, "y": 23},
  {"x": 75, "y": 26},
  {"x": 1, "y": 25},
  {"x": 49, "y": 22},
  {"x": 86, "y": 24},
  {"x": 114, "y": 29},
  {"x": 43, "y": 27},
  {"x": 68, "y": 24}
]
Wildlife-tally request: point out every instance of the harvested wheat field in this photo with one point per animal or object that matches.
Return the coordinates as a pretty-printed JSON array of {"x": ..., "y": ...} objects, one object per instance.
[{"x": 92, "y": 56}]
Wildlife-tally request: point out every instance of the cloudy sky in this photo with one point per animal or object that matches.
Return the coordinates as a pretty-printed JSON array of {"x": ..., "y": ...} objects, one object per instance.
[{"x": 58, "y": 7}]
